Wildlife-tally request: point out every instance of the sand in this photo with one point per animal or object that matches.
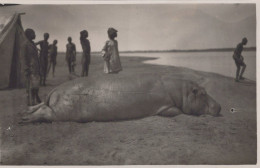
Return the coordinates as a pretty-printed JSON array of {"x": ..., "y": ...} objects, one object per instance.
[{"x": 228, "y": 139}]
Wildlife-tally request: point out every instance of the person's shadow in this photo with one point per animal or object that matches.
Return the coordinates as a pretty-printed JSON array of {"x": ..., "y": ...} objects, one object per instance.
[{"x": 247, "y": 82}]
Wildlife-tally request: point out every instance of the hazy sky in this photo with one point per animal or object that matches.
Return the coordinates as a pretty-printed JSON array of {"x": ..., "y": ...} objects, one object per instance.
[{"x": 144, "y": 26}]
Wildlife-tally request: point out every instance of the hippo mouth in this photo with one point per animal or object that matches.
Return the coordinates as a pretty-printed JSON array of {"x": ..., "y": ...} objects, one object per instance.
[{"x": 215, "y": 109}]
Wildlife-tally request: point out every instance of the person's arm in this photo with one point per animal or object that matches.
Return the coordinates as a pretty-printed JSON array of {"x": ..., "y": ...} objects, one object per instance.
[
  {"x": 39, "y": 42},
  {"x": 27, "y": 60},
  {"x": 56, "y": 51},
  {"x": 86, "y": 47},
  {"x": 103, "y": 51},
  {"x": 67, "y": 55},
  {"x": 88, "y": 50},
  {"x": 74, "y": 47},
  {"x": 74, "y": 52},
  {"x": 241, "y": 57}
]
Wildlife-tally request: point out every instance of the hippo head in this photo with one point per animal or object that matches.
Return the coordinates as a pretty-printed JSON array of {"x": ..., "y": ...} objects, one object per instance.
[{"x": 198, "y": 102}]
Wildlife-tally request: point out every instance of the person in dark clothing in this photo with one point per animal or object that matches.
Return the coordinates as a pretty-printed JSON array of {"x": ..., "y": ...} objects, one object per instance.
[
  {"x": 86, "y": 52},
  {"x": 239, "y": 60},
  {"x": 71, "y": 55},
  {"x": 44, "y": 46},
  {"x": 32, "y": 68},
  {"x": 53, "y": 55}
]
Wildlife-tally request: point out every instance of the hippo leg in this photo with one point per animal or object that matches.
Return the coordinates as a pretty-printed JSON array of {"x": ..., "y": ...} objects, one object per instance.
[
  {"x": 43, "y": 113},
  {"x": 169, "y": 111}
]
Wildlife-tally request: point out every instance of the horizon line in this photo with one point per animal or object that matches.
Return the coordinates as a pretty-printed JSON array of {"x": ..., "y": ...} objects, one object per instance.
[{"x": 252, "y": 48}]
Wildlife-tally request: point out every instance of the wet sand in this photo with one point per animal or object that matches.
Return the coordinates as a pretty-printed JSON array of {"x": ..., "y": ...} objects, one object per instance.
[{"x": 228, "y": 139}]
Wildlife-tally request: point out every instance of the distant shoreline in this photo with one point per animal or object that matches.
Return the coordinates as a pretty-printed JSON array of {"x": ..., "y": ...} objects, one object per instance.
[
  {"x": 190, "y": 50},
  {"x": 174, "y": 50}
]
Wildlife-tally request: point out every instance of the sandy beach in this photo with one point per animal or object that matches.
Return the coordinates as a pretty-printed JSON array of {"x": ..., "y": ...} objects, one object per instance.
[{"x": 228, "y": 139}]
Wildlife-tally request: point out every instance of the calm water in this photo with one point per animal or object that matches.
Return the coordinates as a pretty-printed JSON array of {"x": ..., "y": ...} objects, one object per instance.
[{"x": 218, "y": 62}]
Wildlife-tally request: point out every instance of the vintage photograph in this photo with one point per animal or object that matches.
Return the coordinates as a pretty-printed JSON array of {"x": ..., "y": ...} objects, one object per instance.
[{"x": 128, "y": 84}]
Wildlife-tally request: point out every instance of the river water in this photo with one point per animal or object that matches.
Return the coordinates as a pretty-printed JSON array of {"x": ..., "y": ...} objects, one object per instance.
[{"x": 217, "y": 62}]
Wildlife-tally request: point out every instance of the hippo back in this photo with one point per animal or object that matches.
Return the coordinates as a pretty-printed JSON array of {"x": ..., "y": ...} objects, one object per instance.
[{"x": 110, "y": 97}]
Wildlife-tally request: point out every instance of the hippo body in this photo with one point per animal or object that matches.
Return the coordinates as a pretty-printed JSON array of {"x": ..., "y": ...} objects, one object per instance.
[{"x": 115, "y": 97}]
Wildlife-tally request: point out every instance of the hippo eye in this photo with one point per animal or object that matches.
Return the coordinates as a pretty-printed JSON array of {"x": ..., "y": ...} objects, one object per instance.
[
  {"x": 203, "y": 92},
  {"x": 195, "y": 91}
]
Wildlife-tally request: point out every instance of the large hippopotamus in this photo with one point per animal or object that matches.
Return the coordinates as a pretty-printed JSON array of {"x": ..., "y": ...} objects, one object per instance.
[{"x": 117, "y": 97}]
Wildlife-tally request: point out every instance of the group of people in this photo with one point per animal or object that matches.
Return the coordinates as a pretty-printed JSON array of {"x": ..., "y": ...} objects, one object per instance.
[
  {"x": 46, "y": 51},
  {"x": 37, "y": 66}
]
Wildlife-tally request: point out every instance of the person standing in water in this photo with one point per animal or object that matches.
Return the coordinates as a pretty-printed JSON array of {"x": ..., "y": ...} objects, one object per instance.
[
  {"x": 32, "y": 68},
  {"x": 239, "y": 60},
  {"x": 71, "y": 55},
  {"x": 44, "y": 46},
  {"x": 86, "y": 52},
  {"x": 53, "y": 55},
  {"x": 110, "y": 53}
]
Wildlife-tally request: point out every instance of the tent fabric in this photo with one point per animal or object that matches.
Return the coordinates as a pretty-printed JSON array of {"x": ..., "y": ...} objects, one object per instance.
[{"x": 12, "y": 38}]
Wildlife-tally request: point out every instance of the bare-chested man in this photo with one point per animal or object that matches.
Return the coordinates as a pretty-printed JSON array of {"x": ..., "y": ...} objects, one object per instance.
[
  {"x": 44, "y": 46},
  {"x": 71, "y": 55},
  {"x": 32, "y": 68},
  {"x": 239, "y": 60},
  {"x": 53, "y": 55},
  {"x": 86, "y": 52}
]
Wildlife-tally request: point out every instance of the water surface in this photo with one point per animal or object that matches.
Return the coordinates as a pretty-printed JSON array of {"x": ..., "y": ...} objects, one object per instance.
[{"x": 217, "y": 62}]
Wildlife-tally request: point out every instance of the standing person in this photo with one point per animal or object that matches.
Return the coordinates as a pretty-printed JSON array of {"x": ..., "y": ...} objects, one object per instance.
[
  {"x": 86, "y": 52},
  {"x": 239, "y": 60},
  {"x": 44, "y": 46},
  {"x": 71, "y": 55},
  {"x": 110, "y": 53},
  {"x": 53, "y": 55},
  {"x": 32, "y": 68}
]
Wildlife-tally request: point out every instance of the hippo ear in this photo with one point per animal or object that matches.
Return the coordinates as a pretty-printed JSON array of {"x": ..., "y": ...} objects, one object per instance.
[
  {"x": 195, "y": 91},
  {"x": 203, "y": 91}
]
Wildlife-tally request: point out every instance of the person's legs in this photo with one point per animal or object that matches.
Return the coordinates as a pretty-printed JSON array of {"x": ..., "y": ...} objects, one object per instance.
[
  {"x": 72, "y": 67},
  {"x": 45, "y": 73},
  {"x": 53, "y": 68},
  {"x": 107, "y": 67},
  {"x": 33, "y": 97},
  {"x": 30, "y": 97},
  {"x": 242, "y": 71},
  {"x": 49, "y": 67},
  {"x": 83, "y": 69},
  {"x": 87, "y": 67},
  {"x": 69, "y": 65},
  {"x": 237, "y": 73},
  {"x": 41, "y": 79},
  {"x": 28, "y": 91},
  {"x": 37, "y": 96}
]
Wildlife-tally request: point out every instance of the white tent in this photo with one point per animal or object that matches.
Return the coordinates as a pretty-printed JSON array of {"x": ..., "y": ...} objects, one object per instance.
[{"x": 11, "y": 61}]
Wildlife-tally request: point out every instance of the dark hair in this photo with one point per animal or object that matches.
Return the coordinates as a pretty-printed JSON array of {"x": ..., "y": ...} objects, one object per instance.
[
  {"x": 82, "y": 33},
  {"x": 46, "y": 34},
  {"x": 111, "y": 32},
  {"x": 244, "y": 40},
  {"x": 28, "y": 32}
]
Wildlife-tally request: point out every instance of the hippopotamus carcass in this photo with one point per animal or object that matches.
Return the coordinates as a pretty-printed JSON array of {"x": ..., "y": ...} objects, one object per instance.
[{"x": 117, "y": 97}]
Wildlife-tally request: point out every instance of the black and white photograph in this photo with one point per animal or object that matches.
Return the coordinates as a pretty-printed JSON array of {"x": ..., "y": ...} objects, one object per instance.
[{"x": 128, "y": 83}]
